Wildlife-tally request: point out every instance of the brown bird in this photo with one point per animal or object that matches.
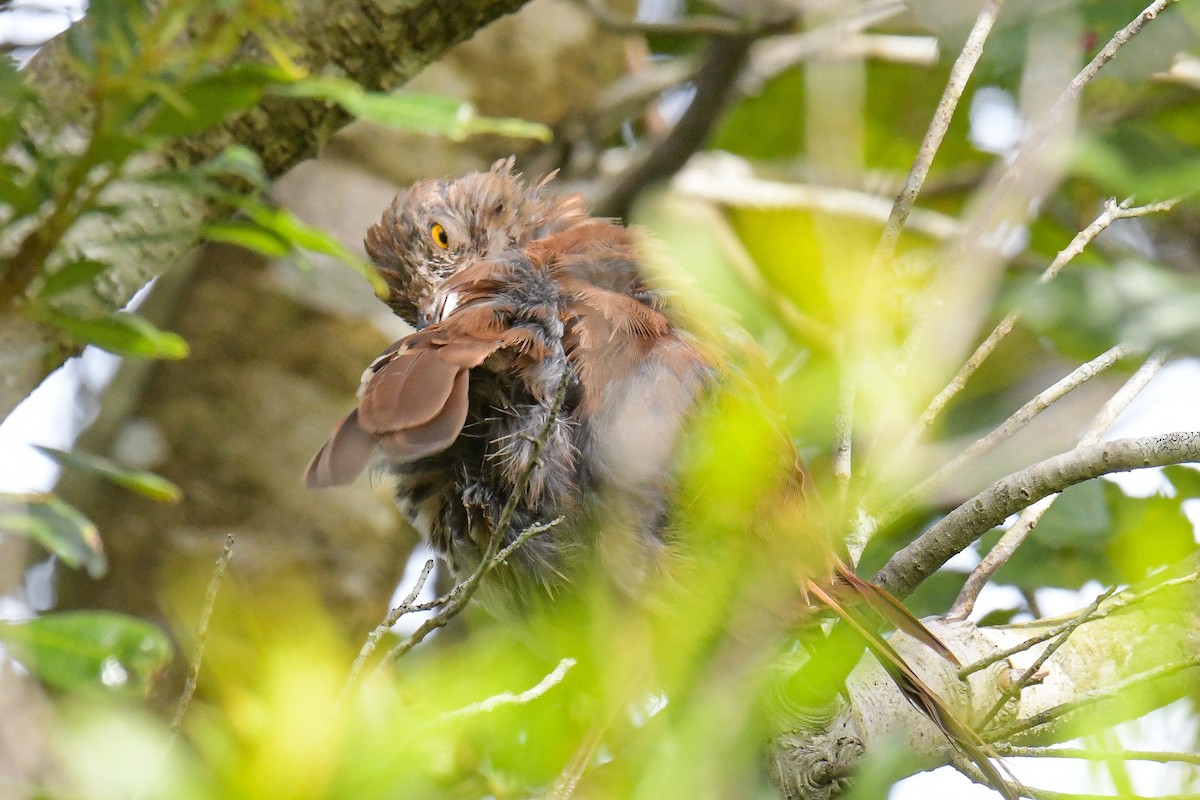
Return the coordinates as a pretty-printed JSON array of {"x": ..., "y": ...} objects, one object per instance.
[{"x": 535, "y": 324}]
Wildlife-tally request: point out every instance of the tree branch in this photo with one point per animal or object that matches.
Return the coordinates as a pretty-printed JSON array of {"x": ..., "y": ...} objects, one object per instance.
[
  {"x": 1029, "y": 518},
  {"x": 1115, "y": 667},
  {"x": 1017, "y": 420},
  {"x": 1112, "y": 212},
  {"x": 958, "y": 529},
  {"x": 714, "y": 84},
  {"x": 379, "y": 43}
]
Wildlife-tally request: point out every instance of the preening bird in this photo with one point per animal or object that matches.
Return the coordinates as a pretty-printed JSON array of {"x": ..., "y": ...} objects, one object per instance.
[{"x": 520, "y": 299}]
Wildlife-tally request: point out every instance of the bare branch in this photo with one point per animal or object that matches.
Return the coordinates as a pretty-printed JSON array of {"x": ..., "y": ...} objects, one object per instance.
[
  {"x": 1096, "y": 696},
  {"x": 1018, "y": 420},
  {"x": 960, "y": 73},
  {"x": 1015, "y": 751},
  {"x": 772, "y": 56},
  {"x": 406, "y": 607},
  {"x": 957, "y": 530},
  {"x": 210, "y": 602},
  {"x": 1124, "y": 600},
  {"x": 547, "y": 683},
  {"x": 728, "y": 181},
  {"x": 723, "y": 60},
  {"x": 1028, "y": 675},
  {"x": 1112, "y": 211},
  {"x": 1029, "y": 518}
]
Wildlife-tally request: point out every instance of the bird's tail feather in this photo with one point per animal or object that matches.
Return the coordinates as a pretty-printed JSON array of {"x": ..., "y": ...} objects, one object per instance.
[{"x": 916, "y": 691}]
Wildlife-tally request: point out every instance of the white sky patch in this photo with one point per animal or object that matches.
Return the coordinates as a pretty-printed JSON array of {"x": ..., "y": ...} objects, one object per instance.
[{"x": 996, "y": 123}]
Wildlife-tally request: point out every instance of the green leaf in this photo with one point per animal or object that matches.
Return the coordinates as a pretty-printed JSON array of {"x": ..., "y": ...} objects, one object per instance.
[
  {"x": 1148, "y": 533},
  {"x": 204, "y": 102},
  {"x": 422, "y": 113},
  {"x": 88, "y": 649},
  {"x": 144, "y": 483},
  {"x": 56, "y": 526},
  {"x": 77, "y": 273},
  {"x": 238, "y": 161},
  {"x": 287, "y": 226},
  {"x": 250, "y": 236},
  {"x": 122, "y": 333}
]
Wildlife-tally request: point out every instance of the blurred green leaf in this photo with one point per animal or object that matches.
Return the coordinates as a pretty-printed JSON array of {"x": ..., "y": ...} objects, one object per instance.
[
  {"x": 423, "y": 113},
  {"x": 56, "y": 526},
  {"x": 76, "y": 273},
  {"x": 1087, "y": 311},
  {"x": 88, "y": 649},
  {"x": 144, "y": 483},
  {"x": 282, "y": 225},
  {"x": 250, "y": 236},
  {"x": 1101, "y": 533},
  {"x": 238, "y": 161},
  {"x": 1080, "y": 517},
  {"x": 1148, "y": 533},
  {"x": 204, "y": 102},
  {"x": 122, "y": 333}
]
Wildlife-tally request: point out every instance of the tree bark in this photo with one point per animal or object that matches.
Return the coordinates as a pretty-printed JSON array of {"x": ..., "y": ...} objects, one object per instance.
[
  {"x": 378, "y": 43},
  {"x": 1149, "y": 647}
]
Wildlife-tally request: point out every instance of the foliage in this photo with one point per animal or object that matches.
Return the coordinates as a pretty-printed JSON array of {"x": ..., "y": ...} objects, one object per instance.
[{"x": 672, "y": 694}]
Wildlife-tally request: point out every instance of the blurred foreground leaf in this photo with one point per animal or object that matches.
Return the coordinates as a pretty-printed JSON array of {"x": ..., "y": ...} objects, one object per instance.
[
  {"x": 423, "y": 113},
  {"x": 144, "y": 483},
  {"x": 88, "y": 649},
  {"x": 121, "y": 333},
  {"x": 56, "y": 526}
]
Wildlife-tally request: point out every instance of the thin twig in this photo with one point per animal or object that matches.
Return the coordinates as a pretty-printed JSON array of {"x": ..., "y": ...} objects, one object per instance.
[
  {"x": 508, "y": 698},
  {"x": 772, "y": 56},
  {"x": 1112, "y": 211},
  {"x": 494, "y": 555},
  {"x": 902, "y": 208},
  {"x": 971, "y": 771},
  {"x": 1095, "y": 696},
  {"x": 393, "y": 616},
  {"x": 843, "y": 434},
  {"x": 1021, "y": 164},
  {"x": 960, "y": 73},
  {"x": 1017, "y": 751},
  {"x": 1024, "y": 679},
  {"x": 1120, "y": 602},
  {"x": 962, "y": 526},
  {"x": 458, "y": 597},
  {"x": 210, "y": 601},
  {"x": 1005, "y": 430},
  {"x": 1028, "y": 519},
  {"x": 730, "y": 181},
  {"x": 694, "y": 25}
]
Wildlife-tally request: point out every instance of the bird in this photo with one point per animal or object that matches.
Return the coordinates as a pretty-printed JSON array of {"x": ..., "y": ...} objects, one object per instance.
[{"x": 547, "y": 377}]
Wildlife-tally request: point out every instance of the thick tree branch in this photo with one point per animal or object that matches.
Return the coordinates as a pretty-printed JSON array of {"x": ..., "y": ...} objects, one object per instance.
[
  {"x": 1029, "y": 518},
  {"x": 1005, "y": 430},
  {"x": 958, "y": 529},
  {"x": 1130, "y": 657},
  {"x": 378, "y": 43}
]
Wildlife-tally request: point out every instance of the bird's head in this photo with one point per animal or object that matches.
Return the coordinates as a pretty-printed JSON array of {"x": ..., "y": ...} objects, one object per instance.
[{"x": 436, "y": 227}]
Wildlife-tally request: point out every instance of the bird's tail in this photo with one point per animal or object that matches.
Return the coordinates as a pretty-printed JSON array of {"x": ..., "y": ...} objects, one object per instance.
[{"x": 915, "y": 690}]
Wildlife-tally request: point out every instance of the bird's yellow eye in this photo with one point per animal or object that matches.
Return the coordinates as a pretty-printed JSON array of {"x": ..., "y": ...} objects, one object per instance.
[{"x": 440, "y": 238}]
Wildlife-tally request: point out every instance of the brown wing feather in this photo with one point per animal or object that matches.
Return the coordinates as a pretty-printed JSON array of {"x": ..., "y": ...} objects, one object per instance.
[
  {"x": 436, "y": 434},
  {"x": 407, "y": 391},
  {"x": 343, "y": 457}
]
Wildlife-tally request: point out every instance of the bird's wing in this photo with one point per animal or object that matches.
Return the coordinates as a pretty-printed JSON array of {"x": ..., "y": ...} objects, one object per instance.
[{"x": 413, "y": 400}]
